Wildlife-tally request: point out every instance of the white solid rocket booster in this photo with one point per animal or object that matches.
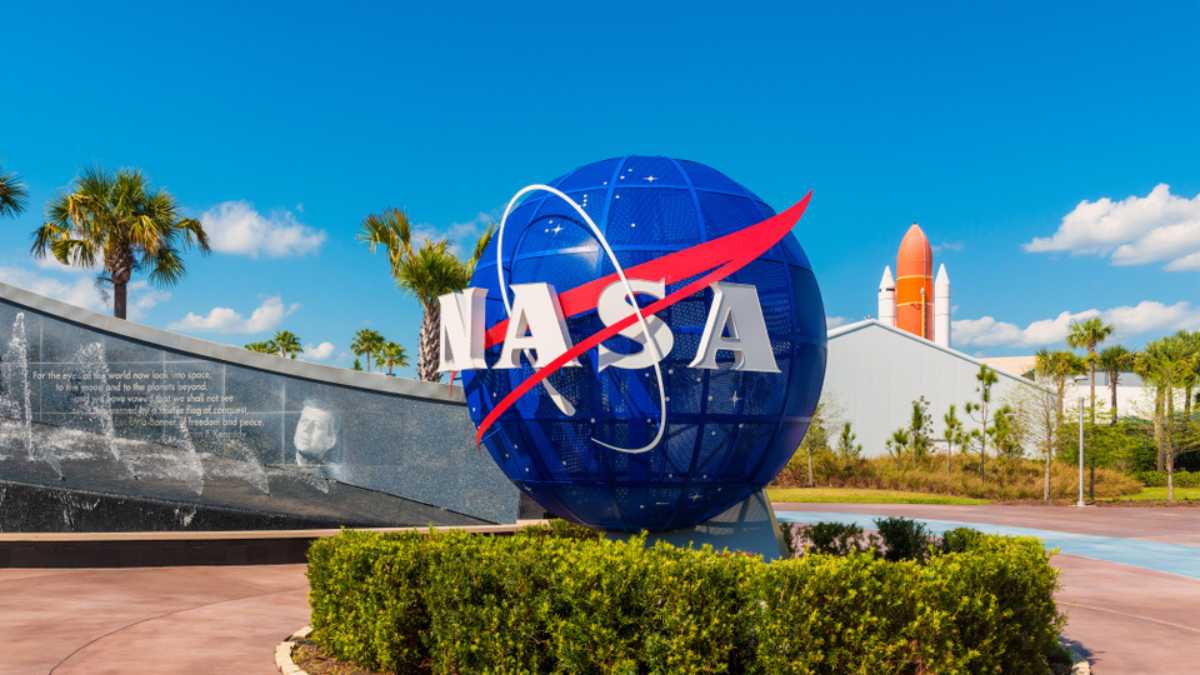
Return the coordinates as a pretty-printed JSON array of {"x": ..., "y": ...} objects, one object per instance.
[
  {"x": 941, "y": 307},
  {"x": 887, "y": 298}
]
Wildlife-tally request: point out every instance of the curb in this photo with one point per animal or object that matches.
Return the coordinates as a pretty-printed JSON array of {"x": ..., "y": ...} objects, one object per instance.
[
  {"x": 285, "y": 665},
  {"x": 283, "y": 653}
]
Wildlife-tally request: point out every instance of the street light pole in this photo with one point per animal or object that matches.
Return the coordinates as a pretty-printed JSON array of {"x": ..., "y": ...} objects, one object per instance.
[{"x": 1080, "y": 502}]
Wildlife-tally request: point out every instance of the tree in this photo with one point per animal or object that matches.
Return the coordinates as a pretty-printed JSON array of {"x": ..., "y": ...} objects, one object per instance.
[
  {"x": 1039, "y": 415},
  {"x": 1166, "y": 364},
  {"x": 1115, "y": 360},
  {"x": 118, "y": 222},
  {"x": 367, "y": 342},
  {"x": 12, "y": 194},
  {"x": 952, "y": 433},
  {"x": 392, "y": 355},
  {"x": 897, "y": 443},
  {"x": 1087, "y": 335},
  {"x": 427, "y": 271},
  {"x": 980, "y": 410},
  {"x": 357, "y": 364},
  {"x": 848, "y": 449},
  {"x": 287, "y": 344},
  {"x": 920, "y": 429},
  {"x": 816, "y": 438},
  {"x": 1190, "y": 347},
  {"x": 1058, "y": 367},
  {"x": 265, "y": 347},
  {"x": 1007, "y": 433}
]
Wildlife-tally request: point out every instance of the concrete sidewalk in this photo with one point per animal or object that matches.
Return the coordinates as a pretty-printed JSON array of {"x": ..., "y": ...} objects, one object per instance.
[{"x": 149, "y": 620}]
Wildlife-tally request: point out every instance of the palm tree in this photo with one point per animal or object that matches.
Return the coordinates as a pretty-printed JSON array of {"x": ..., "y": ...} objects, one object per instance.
[
  {"x": 1087, "y": 335},
  {"x": 1115, "y": 360},
  {"x": 367, "y": 342},
  {"x": 12, "y": 194},
  {"x": 287, "y": 344},
  {"x": 266, "y": 347},
  {"x": 1166, "y": 364},
  {"x": 1058, "y": 366},
  {"x": 428, "y": 271},
  {"x": 120, "y": 223},
  {"x": 392, "y": 355},
  {"x": 1190, "y": 345}
]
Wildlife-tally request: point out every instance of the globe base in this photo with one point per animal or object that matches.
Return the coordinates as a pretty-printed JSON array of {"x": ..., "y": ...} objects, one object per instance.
[{"x": 748, "y": 526}]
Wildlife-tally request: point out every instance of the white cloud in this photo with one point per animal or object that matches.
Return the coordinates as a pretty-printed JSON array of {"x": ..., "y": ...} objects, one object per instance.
[
  {"x": 236, "y": 227},
  {"x": 462, "y": 235},
  {"x": 948, "y": 246},
  {"x": 83, "y": 292},
  {"x": 1133, "y": 231},
  {"x": 51, "y": 263},
  {"x": 266, "y": 316},
  {"x": 832, "y": 322},
  {"x": 319, "y": 352},
  {"x": 1147, "y": 316}
]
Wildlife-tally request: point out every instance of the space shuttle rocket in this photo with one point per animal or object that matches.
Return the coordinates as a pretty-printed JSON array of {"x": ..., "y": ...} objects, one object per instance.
[{"x": 914, "y": 300}]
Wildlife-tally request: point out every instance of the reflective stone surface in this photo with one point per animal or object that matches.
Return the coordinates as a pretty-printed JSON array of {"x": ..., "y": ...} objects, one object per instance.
[{"x": 106, "y": 416}]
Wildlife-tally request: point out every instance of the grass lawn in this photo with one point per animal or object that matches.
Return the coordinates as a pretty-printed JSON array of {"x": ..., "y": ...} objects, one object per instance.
[
  {"x": 1157, "y": 494},
  {"x": 865, "y": 496}
]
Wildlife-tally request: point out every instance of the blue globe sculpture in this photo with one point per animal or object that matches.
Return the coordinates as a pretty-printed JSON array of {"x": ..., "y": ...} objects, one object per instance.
[{"x": 727, "y": 433}]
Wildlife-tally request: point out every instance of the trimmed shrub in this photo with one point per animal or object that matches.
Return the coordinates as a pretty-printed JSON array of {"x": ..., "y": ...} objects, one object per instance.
[
  {"x": 961, "y": 539},
  {"x": 903, "y": 539},
  {"x": 835, "y": 538},
  {"x": 535, "y": 602}
]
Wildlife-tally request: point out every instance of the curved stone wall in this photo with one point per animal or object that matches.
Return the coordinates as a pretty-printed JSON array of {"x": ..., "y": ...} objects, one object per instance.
[{"x": 124, "y": 427}]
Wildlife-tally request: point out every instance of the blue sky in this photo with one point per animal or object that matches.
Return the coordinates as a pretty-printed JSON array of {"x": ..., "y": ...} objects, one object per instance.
[{"x": 989, "y": 126}]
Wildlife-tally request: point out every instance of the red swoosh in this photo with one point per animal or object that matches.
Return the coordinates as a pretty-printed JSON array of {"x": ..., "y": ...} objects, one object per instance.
[{"x": 726, "y": 254}]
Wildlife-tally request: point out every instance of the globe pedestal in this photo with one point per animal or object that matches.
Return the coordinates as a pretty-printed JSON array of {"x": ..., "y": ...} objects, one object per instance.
[{"x": 748, "y": 526}]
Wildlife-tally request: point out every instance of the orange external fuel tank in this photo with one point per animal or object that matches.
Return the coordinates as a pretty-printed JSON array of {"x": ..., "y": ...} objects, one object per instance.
[{"x": 914, "y": 284}]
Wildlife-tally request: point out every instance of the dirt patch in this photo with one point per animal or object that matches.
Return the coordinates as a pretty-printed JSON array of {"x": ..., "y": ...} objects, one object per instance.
[{"x": 308, "y": 656}]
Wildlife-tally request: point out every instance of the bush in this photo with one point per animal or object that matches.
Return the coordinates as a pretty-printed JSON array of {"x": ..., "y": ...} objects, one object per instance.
[
  {"x": 454, "y": 603},
  {"x": 961, "y": 539},
  {"x": 835, "y": 538},
  {"x": 1159, "y": 478},
  {"x": 1004, "y": 478},
  {"x": 903, "y": 539}
]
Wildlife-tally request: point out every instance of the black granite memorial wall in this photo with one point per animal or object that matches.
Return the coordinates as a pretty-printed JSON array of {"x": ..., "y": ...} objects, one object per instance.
[{"x": 109, "y": 425}]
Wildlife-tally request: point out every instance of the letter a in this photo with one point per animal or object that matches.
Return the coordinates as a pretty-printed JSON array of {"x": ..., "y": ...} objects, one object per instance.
[
  {"x": 735, "y": 324},
  {"x": 536, "y": 324},
  {"x": 461, "y": 332}
]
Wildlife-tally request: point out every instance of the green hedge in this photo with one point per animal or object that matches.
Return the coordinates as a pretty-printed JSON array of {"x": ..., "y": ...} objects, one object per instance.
[
  {"x": 458, "y": 603},
  {"x": 1159, "y": 478}
]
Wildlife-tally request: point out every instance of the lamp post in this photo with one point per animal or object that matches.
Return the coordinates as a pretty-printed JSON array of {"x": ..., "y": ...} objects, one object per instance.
[{"x": 1080, "y": 502}]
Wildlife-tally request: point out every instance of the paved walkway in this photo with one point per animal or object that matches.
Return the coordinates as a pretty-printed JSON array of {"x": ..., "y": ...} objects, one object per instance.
[
  {"x": 228, "y": 619},
  {"x": 149, "y": 620}
]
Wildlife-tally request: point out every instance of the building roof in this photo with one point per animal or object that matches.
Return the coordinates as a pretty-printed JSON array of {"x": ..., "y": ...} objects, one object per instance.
[{"x": 872, "y": 324}]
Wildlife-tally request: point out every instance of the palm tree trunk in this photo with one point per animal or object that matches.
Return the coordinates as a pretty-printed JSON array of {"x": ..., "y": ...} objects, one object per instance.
[
  {"x": 1160, "y": 459},
  {"x": 120, "y": 296},
  {"x": 1112, "y": 385},
  {"x": 429, "y": 351},
  {"x": 811, "y": 479},
  {"x": 1092, "y": 377},
  {"x": 1169, "y": 445}
]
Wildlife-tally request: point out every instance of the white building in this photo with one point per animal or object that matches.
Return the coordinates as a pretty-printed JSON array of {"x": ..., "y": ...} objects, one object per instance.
[
  {"x": 875, "y": 372},
  {"x": 1134, "y": 398}
]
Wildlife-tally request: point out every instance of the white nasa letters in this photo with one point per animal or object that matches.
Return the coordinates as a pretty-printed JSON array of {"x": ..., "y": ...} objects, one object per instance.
[
  {"x": 735, "y": 310},
  {"x": 614, "y": 305},
  {"x": 537, "y": 328},
  {"x": 536, "y": 323},
  {"x": 462, "y": 331}
]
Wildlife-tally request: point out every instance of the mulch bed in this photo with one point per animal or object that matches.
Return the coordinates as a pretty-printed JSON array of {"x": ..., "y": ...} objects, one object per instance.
[{"x": 308, "y": 656}]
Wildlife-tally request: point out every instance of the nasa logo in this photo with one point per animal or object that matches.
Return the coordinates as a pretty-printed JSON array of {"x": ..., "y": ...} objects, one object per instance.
[{"x": 642, "y": 344}]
